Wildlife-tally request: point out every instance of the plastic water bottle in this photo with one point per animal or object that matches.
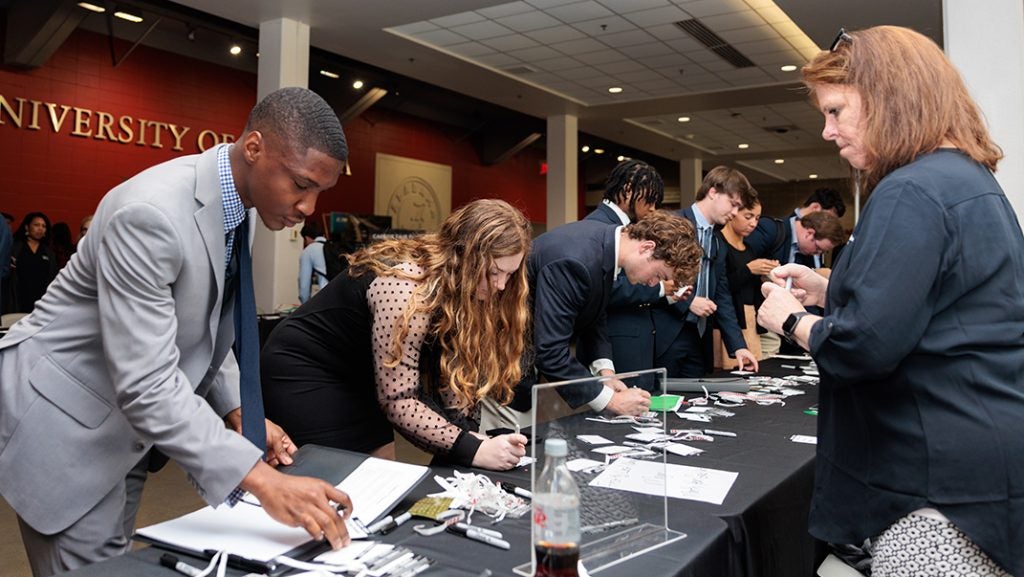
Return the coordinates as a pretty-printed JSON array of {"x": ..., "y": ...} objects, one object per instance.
[{"x": 556, "y": 515}]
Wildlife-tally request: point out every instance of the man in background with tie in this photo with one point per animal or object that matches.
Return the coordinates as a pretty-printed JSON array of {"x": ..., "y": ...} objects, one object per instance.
[
  {"x": 130, "y": 348},
  {"x": 683, "y": 331}
]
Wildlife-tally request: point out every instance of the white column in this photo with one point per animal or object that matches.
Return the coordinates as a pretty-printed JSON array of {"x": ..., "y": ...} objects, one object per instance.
[
  {"x": 987, "y": 45},
  {"x": 690, "y": 179},
  {"x": 563, "y": 167},
  {"x": 284, "y": 61}
]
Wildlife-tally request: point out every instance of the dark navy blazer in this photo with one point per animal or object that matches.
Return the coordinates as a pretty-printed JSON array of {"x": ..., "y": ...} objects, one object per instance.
[
  {"x": 668, "y": 321},
  {"x": 570, "y": 269},
  {"x": 630, "y": 324}
]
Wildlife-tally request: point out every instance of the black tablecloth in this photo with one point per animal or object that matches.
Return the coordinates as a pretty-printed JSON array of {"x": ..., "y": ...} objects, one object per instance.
[{"x": 759, "y": 530}]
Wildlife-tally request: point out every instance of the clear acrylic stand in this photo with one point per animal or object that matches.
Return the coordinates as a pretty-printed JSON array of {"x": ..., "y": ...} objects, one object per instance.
[{"x": 615, "y": 525}]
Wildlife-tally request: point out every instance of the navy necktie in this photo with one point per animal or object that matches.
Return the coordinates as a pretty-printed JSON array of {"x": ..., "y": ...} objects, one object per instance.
[
  {"x": 247, "y": 344},
  {"x": 705, "y": 273}
]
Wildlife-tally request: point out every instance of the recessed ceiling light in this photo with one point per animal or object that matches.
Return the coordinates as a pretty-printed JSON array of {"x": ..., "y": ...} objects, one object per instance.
[
  {"x": 125, "y": 14},
  {"x": 743, "y": 146},
  {"x": 780, "y": 161},
  {"x": 788, "y": 68},
  {"x": 235, "y": 50},
  {"x": 329, "y": 74},
  {"x": 615, "y": 89},
  {"x": 357, "y": 84},
  {"x": 683, "y": 119},
  {"x": 620, "y": 158},
  {"x": 92, "y": 7},
  {"x": 598, "y": 151},
  {"x": 812, "y": 176},
  {"x": 585, "y": 148}
]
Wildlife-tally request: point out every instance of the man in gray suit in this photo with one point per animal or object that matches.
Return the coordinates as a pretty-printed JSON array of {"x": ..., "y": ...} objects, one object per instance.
[{"x": 129, "y": 348}]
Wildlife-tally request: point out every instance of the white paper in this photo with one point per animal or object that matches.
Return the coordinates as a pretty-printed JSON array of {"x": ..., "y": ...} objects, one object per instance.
[
  {"x": 648, "y": 437},
  {"x": 808, "y": 439},
  {"x": 694, "y": 483},
  {"x": 376, "y": 484},
  {"x": 525, "y": 460},
  {"x": 682, "y": 450},
  {"x": 577, "y": 465},
  {"x": 245, "y": 530},
  {"x": 694, "y": 417},
  {"x": 593, "y": 439},
  {"x": 612, "y": 450}
]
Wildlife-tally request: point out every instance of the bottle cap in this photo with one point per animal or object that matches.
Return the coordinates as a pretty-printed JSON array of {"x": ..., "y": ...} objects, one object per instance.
[{"x": 555, "y": 447}]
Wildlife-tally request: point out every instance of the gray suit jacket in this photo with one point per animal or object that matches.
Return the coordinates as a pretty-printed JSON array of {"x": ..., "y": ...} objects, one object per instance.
[{"x": 128, "y": 349}]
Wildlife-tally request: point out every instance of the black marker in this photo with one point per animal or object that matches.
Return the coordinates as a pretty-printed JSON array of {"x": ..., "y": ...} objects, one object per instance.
[
  {"x": 510, "y": 488},
  {"x": 172, "y": 562}
]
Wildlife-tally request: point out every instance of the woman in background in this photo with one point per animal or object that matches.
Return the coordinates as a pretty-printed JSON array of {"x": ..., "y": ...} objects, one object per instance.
[
  {"x": 33, "y": 262},
  {"x": 921, "y": 347},
  {"x": 415, "y": 333},
  {"x": 744, "y": 273}
]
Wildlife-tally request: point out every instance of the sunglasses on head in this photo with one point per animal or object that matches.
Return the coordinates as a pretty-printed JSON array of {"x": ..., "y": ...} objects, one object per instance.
[{"x": 840, "y": 38}]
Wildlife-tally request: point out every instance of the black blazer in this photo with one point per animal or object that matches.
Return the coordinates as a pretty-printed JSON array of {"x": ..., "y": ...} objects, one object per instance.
[
  {"x": 630, "y": 324},
  {"x": 668, "y": 320},
  {"x": 570, "y": 270}
]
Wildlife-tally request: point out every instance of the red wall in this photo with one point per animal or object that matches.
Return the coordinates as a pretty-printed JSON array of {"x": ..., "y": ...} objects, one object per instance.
[{"x": 65, "y": 176}]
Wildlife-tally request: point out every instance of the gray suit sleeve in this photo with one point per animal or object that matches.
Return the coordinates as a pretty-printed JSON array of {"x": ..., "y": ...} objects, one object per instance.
[
  {"x": 224, "y": 395},
  {"x": 139, "y": 260}
]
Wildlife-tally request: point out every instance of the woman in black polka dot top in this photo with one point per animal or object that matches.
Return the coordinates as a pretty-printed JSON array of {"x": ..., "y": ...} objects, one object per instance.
[{"x": 414, "y": 334}]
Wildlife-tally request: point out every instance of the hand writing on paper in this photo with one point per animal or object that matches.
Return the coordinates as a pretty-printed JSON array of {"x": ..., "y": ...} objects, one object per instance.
[
  {"x": 500, "y": 453},
  {"x": 301, "y": 502},
  {"x": 630, "y": 402}
]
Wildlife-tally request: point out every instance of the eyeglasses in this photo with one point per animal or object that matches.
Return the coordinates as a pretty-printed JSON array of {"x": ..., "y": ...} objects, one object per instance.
[{"x": 841, "y": 37}]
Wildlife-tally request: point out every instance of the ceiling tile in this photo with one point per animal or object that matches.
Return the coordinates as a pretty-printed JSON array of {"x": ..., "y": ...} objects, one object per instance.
[
  {"x": 555, "y": 64},
  {"x": 580, "y": 73},
  {"x": 704, "y": 8},
  {"x": 471, "y": 49},
  {"x": 535, "y": 53},
  {"x": 665, "y": 31},
  {"x": 749, "y": 34},
  {"x": 773, "y": 14},
  {"x": 556, "y": 34},
  {"x": 577, "y": 47},
  {"x": 640, "y": 75},
  {"x": 599, "y": 27},
  {"x": 684, "y": 43},
  {"x": 505, "y": 9},
  {"x": 627, "y": 6},
  {"x": 648, "y": 50},
  {"x": 744, "y": 19},
  {"x": 528, "y": 21},
  {"x": 600, "y": 57},
  {"x": 579, "y": 12},
  {"x": 655, "y": 16},
  {"x": 510, "y": 42},
  {"x": 627, "y": 38},
  {"x": 615, "y": 68},
  {"x": 482, "y": 30},
  {"x": 667, "y": 61},
  {"x": 750, "y": 76},
  {"x": 760, "y": 46},
  {"x": 497, "y": 60},
  {"x": 457, "y": 19},
  {"x": 545, "y": 4},
  {"x": 441, "y": 37}
]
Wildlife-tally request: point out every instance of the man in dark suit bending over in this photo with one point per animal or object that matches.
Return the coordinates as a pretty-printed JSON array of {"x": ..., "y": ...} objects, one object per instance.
[
  {"x": 572, "y": 269},
  {"x": 633, "y": 190}
]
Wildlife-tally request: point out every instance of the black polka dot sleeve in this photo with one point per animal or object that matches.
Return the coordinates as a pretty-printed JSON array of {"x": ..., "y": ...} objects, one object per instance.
[{"x": 399, "y": 389}]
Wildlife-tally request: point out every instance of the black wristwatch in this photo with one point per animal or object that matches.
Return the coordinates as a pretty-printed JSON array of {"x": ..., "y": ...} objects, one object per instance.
[{"x": 789, "y": 325}]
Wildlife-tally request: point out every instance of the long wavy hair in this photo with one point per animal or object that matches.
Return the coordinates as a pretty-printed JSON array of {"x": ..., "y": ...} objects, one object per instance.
[
  {"x": 913, "y": 99},
  {"x": 481, "y": 340}
]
